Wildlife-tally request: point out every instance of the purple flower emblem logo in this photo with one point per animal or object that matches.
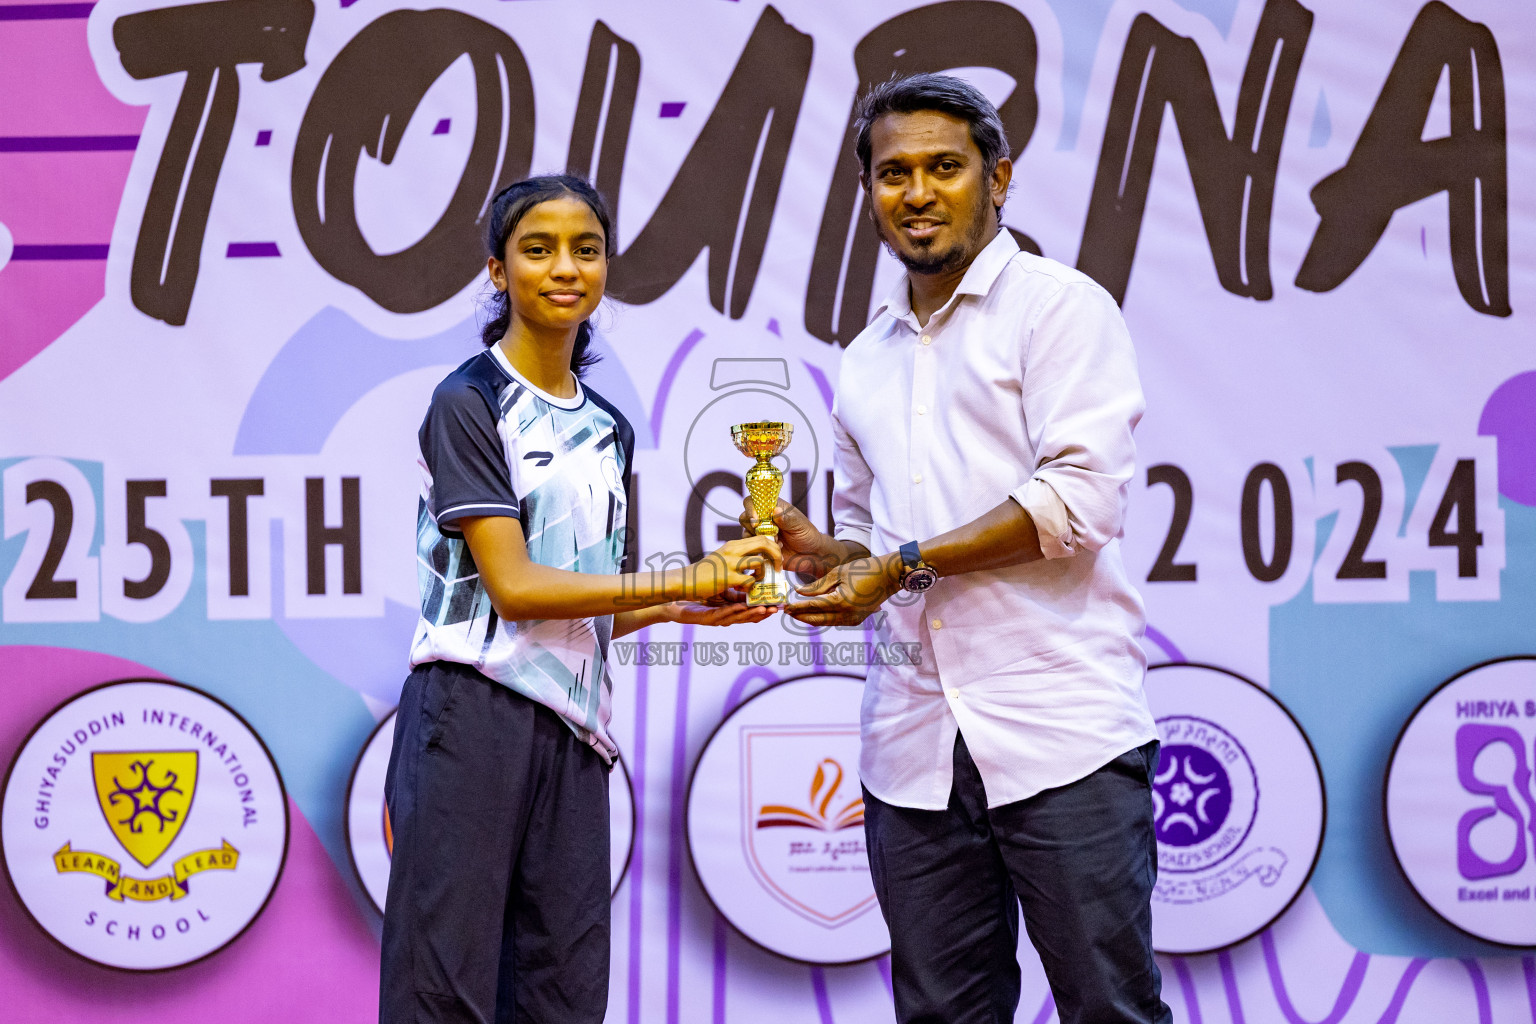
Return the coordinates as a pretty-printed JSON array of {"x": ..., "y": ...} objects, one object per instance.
[{"x": 1191, "y": 795}]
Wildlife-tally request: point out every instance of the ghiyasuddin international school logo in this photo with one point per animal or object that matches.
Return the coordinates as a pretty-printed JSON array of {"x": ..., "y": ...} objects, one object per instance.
[
  {"x": 145, "y": 797},
  {"x": 804, "y": 853},
  {"x": 144, "y": 825}
]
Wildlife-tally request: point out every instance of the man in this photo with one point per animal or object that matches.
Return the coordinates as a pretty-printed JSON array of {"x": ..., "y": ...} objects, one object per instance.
[{"x": 983, "y": 446}]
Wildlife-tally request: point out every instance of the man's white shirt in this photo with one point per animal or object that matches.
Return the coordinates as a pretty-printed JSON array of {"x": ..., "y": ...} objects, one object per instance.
[{"x": 1022, "y": 385}]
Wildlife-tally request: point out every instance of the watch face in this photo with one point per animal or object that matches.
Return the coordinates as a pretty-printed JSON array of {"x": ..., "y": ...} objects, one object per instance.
[{"x": 919, "y": 579}]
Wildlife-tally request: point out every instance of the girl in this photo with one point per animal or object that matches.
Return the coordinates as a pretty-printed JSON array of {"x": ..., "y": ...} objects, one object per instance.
[{"x": 498, "y": 784}]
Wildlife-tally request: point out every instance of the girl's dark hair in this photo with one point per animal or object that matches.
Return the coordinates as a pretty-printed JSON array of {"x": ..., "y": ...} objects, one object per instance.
[{"x": 506, "y": 210}]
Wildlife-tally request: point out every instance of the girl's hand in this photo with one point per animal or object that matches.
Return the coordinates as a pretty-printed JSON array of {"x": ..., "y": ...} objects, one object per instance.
[
  {"x": 733, "y": 565},
  {"x": 803, "y": 544},
  {"x": 723, "y": 610}
]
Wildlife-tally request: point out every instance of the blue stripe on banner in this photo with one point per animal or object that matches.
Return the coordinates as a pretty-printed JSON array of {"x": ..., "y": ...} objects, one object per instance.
[
  {"x": 44, "y": 12},
  {"x": 67, "y": 143},
  {"x": 59, "y": 252}
]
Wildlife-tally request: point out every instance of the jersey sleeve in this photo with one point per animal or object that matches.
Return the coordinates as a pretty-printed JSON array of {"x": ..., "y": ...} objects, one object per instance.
[
  {"x": 625, "y": 437},
  {"x": 465, "y": 457},
  {"x": 630, "y": 562}
]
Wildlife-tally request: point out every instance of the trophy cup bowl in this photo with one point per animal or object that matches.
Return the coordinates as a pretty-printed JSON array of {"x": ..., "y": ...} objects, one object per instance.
[{"x": 762, "y": 441}]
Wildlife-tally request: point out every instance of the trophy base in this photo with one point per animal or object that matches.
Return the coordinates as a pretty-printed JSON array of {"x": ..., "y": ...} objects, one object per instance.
[
  {"x": 770, "y": 590},
  {"x": 761, "y": 596}
]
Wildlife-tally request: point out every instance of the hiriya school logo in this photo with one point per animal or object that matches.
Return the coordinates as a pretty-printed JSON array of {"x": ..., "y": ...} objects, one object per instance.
[
  {"x": 776, "y": 823},
  {"x": 144, "y": 825},
  {"x": 1238, "y": 808},
  {"x": 1461, "y": 803},
  {"x": 371, "y": 841}
]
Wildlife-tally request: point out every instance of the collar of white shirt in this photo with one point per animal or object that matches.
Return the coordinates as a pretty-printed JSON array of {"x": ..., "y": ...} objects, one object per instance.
[{"x": 978, "y": 280}]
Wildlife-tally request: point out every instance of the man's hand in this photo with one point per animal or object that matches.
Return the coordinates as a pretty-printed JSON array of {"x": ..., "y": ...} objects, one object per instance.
[
  {"x": 806, "y": 549},
  {"x": 850, "y": 593}
]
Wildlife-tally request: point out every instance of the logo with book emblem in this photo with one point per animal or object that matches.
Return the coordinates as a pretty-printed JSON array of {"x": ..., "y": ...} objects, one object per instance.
[
  {"x": 776, "y": 823},
  {"x": 826, "y": 783},
  {"x": 808, "y": 873},
  {"x": 144, "y": 825}
]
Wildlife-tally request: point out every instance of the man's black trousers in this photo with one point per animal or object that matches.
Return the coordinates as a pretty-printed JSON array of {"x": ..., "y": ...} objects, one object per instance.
[
  {"x": 1081, "y": 859},
  {"x": 498, "y": 905}
]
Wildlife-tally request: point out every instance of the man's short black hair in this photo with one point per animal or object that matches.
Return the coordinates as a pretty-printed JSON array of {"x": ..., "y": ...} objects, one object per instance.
[{"x": 944, "y": 93}]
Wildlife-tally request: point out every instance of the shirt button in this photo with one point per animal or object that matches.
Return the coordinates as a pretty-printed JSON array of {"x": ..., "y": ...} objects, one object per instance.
[
  {"x": 922, "y": 409},
  {"x": 938, "y": 624},
  {"x": 954, "y": 694},
  {"x": 927, "y": 340},
  {"x": 918, "y": 478}
]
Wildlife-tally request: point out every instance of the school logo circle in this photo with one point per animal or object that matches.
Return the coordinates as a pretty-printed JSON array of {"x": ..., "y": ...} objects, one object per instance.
[
  {"x": 1205, "y": 795},
  {"x": 1461, "y": 804},
  {"x": 371, "y": 842},
  {"x": 144, "y": 825},
  {"x": 1238, "y": 808},
  {"x": 775, "y": 823}
]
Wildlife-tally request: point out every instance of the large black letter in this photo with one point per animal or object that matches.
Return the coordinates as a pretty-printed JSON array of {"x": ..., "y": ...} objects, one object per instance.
[
  {"x": 1234, "y": 178},
  {"x": 693, "y": 514},
  {"x": 364, "y": 100},
  {"x": 348, "y": 536},
  {"x": 206, "y": 41},
  {"x": 1392, "y": 165},
  {"x": 612, "y": 106},
  {"x": 724, "y": 194},
  {"x": 961, "y": 33},
  {"x": 239, "y": 492}
]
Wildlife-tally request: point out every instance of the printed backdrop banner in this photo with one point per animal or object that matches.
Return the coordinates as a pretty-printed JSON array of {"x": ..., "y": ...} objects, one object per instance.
[{"x": 240, "y": 243}]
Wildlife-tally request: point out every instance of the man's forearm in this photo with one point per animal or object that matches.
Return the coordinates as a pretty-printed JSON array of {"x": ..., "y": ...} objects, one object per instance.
[{"x": 1004, "y": 536}]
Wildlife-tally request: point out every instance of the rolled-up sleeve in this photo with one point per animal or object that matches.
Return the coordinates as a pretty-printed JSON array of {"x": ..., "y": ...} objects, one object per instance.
[
  {"x": 851, "y": 481},
  {"x": 1081, "y": 400}
]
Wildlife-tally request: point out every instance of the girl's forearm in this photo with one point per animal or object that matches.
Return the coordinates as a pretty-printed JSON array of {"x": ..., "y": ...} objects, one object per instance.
[
  {"x": 625, "y": 623},
  {"x": 534, "y": 591},
  {"x": 520, "y": 588}
]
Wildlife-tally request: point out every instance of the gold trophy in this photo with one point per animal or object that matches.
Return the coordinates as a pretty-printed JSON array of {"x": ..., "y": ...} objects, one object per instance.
[{"x": 762, "y": 441}]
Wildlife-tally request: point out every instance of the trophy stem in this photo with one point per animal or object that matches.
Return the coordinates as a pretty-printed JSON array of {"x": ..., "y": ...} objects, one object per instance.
[
  {"x": 764, "y": 481},
  {"x": 762, "y": 440}
]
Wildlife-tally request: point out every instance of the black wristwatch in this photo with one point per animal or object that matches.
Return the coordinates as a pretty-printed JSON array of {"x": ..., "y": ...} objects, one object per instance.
[{"x": 916, "y": 574}]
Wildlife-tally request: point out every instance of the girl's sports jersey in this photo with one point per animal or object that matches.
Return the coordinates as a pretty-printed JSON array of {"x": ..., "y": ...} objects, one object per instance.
[{"x": 492, "y": 444}]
